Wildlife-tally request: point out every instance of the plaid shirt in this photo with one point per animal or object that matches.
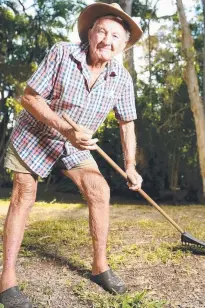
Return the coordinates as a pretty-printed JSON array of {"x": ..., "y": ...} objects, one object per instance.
[{"x": 62, "y": 80}]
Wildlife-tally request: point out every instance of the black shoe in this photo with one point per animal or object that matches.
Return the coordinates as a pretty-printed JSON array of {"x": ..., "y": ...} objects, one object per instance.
[
  {"x": 14, "y": 298},
  {"x": 109, "y": 282}
]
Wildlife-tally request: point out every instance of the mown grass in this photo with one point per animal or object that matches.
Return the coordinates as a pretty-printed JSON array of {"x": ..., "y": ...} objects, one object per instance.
[
  {"x": 145, "y": 240},
  {"x": 70, "y": 242},
  {"x": 129, "y": 300},
  {"x": 60, "y": 239},
  {"x": 59, "y": 206},
  {"x": 71, "y": 238}
]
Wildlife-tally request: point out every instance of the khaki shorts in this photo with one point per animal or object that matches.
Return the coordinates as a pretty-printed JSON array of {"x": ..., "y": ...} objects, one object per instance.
[{"x": 15, "y": 163}]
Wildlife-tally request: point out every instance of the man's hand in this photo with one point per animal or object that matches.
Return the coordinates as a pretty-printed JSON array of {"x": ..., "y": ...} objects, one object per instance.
[
  {"x": 82, "y": 140},
  {"x": 135, "y": 180}
]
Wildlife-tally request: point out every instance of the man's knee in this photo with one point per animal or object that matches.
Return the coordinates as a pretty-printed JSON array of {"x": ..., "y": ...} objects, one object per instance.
[
  {"x": 24, "y": 190},
  {"x": 94, "y": 187}
]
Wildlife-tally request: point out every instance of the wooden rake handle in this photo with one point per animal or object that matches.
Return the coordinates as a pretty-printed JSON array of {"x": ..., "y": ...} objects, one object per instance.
[{"x": 119, "y": 170}]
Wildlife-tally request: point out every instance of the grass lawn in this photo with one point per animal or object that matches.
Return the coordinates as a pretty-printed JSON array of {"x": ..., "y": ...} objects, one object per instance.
[{"x": 144, "y": 249}]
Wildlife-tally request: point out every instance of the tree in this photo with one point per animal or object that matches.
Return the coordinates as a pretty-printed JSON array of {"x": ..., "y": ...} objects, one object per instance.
[
  {"x": 193, "y": 89},
  {"x": 203, "y": 5},
  {"x": 126, "y": 5},
  {"x": 26, "y": 33}
]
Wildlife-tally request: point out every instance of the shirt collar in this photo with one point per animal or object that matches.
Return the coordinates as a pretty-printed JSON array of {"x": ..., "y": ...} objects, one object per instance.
[{"x": 80, "y": 55}]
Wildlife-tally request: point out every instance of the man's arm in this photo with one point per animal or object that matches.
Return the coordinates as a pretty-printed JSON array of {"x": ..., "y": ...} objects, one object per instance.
[
  {"x": 36, "y": 105},
  {"x": 128, "y": 140}
]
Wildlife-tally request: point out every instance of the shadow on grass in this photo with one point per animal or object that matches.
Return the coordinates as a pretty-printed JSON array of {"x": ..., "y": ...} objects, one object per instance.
[
  {"x": 65, "y": 242},
  {"x": 59, "y": 260},
  {"x": 190, "y": 248}
]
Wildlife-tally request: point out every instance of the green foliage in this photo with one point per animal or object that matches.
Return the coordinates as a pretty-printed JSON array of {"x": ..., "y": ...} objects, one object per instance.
[
  {"x": 14, "y": 104},
  {"x": 166, "y": 127},
  {"x": 134, "y": 300}
]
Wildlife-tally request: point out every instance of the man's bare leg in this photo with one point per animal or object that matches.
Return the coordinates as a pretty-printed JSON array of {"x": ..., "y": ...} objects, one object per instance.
[
  {"x": 22, "y": 199},
  {"x": 97, "y": 193}
]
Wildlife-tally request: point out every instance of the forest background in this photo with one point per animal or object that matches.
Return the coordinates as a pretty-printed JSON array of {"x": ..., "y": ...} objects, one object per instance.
[{"x": 169, "y": 128}]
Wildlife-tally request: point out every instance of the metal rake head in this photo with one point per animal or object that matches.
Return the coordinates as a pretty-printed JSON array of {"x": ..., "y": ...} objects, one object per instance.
[{"x": 187, "y": 238}]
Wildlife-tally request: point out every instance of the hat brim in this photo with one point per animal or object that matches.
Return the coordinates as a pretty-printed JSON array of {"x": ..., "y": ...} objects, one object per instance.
[{"x": 94, "y": 11}]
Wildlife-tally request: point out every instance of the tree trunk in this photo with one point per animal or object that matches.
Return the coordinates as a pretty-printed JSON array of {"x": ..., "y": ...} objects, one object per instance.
[
  {"x": 174, "y": 178},
  {"x": 126, "y": 5},
  {"x": 128, "y": 60},
  {"x": 193, "y": 89},
  {"x": 3, "y": 129},
  {"x": 203, "y": 4}
]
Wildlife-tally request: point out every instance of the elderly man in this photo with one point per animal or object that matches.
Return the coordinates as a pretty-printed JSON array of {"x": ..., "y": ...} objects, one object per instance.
[{"x": 85, "y": 82}]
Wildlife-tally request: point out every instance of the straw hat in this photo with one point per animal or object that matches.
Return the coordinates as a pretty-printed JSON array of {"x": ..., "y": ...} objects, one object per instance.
[{"x": 94, "y": 11}]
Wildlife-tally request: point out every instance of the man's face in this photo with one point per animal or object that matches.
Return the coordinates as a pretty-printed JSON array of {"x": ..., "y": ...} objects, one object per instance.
[{"x": 107, "y": 38}]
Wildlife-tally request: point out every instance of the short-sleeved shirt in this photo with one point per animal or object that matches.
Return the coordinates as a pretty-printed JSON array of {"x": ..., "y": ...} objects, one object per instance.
[{"x": 62, "y": 80}]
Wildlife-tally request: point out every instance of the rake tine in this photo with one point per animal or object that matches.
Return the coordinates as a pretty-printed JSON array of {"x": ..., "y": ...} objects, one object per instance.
[{"x": 188, "y": 239}]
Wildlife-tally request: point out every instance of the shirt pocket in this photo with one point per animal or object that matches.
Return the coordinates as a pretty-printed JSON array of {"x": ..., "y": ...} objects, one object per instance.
[{"x": 71, "y": 99}]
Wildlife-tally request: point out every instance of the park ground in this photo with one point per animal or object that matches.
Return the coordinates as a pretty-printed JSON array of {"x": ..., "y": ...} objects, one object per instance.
[{"x": 144, "y": 249}]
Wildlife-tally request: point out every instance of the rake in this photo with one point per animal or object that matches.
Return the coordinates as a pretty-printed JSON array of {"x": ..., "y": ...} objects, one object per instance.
[{"x": 186, "y": 238}]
